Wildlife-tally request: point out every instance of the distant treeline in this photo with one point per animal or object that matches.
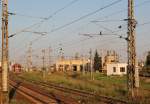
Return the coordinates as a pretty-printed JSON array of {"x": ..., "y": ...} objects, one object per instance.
[{"x": 145, "y": 72}]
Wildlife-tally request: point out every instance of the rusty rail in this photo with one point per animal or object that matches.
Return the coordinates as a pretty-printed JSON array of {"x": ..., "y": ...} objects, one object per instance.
[
  {"x": 38, "y": 95},
  {"x": 81, "y": 93}
]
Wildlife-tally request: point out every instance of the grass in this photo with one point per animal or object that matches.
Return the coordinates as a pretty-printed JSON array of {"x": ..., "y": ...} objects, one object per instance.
[
  {"x": 19, "y": 102},
  {"x": 113, "y": 86}
]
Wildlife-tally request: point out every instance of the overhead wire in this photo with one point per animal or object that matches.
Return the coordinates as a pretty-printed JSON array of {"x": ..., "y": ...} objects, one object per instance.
[
  {"x": 123, "y": 10},
  {"x": 85, "y": 16},
  {"x": 47, "y": 18},
  {"x": 28, "y": 16},
  {"x": 110, "y": 20},
  {"x": 142, "y": 24},
  {"x": 138, "y": 25},
  {"x": 81, "y": 18},
  {"x": 72, "y": 21},
  {"x": 106, "y": 43},
  {"x": 121, "y": 29},
  {"x": 114, "y": 13},
  {"x": 61, "y": 9},
  {"x": 147, "y": 1},
  {"x": 105, "y": 28},
  {"x": 118, "y": 12}
]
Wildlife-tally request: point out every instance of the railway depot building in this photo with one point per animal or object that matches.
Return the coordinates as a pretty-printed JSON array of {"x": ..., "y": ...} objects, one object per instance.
[
  {"x": 72, "y": 64},
  {"x": 112, "y": 66},
  {"x": 116, "y": 69}
]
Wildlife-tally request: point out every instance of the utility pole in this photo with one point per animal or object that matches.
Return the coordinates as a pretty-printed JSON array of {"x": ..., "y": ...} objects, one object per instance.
[
  {"x": 91, "y": 66},
  {"x": 29, "y": 57},
  {"x": 132, "y": 72},
  {"x": 49, "y": 53},
  {"x": 44, "y": 68},
  {"x": 83, "y": 69},
  {"x": 5, "y": 57},
  {"x": 61, "y": 53}
]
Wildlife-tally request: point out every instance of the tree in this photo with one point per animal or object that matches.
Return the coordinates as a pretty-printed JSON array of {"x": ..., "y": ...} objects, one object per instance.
[
  {"x": 97, "y": 62},
  {"x": 76, "y": 55},
  {"x": 148, "y": 59}
]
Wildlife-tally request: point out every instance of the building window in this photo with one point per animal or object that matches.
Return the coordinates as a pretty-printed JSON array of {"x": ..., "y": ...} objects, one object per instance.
[
  {"x": 122, "y": 69},
  {"x": 114, "y": 69}
]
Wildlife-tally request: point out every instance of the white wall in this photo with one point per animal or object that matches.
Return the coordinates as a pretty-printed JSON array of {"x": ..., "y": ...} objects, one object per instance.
[{"x": 110, "y": 70}]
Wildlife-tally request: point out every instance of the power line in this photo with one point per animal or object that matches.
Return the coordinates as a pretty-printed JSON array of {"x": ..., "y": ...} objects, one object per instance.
[
  {"x": 53, "y": 14},
  {"x": 46, "y": 19},
  {"x": 147, "y": 1},
  {"x": 142, "y": 24},
  {"x": 78, "y": 42},
  {"x": 138, "y": 25},
  {"x": 123, "y": 10},
  {"x": 87, "y": 15},
  {"x": 88, "y": 38},
  {"x": 110, "y": 30},
  {"x": 108, "y": 20},
  {"x": 28, "y": 16},
  {"x": 138, "y": 5},
  {"x": 121, "y": 29},
  {"x": 61, "y": 9},
  {"x": 120, "y": 36},
  {"x": 114, "y": 13}
]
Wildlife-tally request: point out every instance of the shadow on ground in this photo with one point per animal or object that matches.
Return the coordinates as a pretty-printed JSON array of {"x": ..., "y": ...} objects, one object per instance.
[{"x": 12, "y": 92}]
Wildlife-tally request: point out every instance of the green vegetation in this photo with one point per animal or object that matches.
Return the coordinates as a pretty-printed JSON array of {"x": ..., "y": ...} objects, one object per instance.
[
  {"x": 146, "y": 69},
  {"x": 113, "y": 86},
  {"x": 148, "y": 59},
  {"x": 97, "y": 62},
  {"x": 19, "y": 102}
]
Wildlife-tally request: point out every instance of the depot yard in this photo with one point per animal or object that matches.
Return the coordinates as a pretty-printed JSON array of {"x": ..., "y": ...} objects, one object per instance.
[{"x": 112, "y": 86}]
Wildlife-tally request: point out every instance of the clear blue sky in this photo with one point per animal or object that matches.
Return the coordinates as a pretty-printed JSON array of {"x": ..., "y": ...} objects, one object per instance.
[{"x": 69, "y": 36}]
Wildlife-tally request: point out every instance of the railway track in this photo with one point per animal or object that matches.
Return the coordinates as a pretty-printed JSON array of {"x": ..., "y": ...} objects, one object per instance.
[
  {"x": 80, "y": 93},
  {"x": 37, "y": 95}
]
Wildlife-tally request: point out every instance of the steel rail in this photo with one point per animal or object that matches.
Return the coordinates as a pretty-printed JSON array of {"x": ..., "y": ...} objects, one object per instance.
[
  {"x": 37, "y": 95},
  {"x": 80, "y": 93}
]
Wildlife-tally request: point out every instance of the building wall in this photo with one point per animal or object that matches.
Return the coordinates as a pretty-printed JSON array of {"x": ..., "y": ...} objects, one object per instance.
[
  {"x": 110, "y": 58},
  {"x": 115, "y": 68},
  {"x": 65, "y": 65},
  {"x": 16, "y": 68}
]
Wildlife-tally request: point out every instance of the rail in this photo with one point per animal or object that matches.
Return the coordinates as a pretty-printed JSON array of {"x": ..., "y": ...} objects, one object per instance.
[
  {"x": 81, "y": 93},
  {"x": 38, "y": 95}
]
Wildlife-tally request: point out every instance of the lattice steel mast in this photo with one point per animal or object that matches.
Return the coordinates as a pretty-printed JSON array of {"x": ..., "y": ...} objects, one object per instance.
[
  {"x": 5, "y": 57},
  {"x": 132, "y": 73}
]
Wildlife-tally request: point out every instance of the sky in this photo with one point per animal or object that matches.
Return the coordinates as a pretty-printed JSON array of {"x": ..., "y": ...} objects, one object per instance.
[{"x": 70, "y": 38}]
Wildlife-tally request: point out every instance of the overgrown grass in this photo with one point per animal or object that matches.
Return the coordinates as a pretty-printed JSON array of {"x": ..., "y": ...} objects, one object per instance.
[
  {"x": 113, "y": 86},
  {"x": 19, "y": 102}
]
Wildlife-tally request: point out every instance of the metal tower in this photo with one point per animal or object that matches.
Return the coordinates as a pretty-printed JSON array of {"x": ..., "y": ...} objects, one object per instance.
[
  {"x": 29, "y": 57},
  {"x": 132, "y": 73},
  {"x": 43, "y": 68},
  {"x": 5, "y": 57}
]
